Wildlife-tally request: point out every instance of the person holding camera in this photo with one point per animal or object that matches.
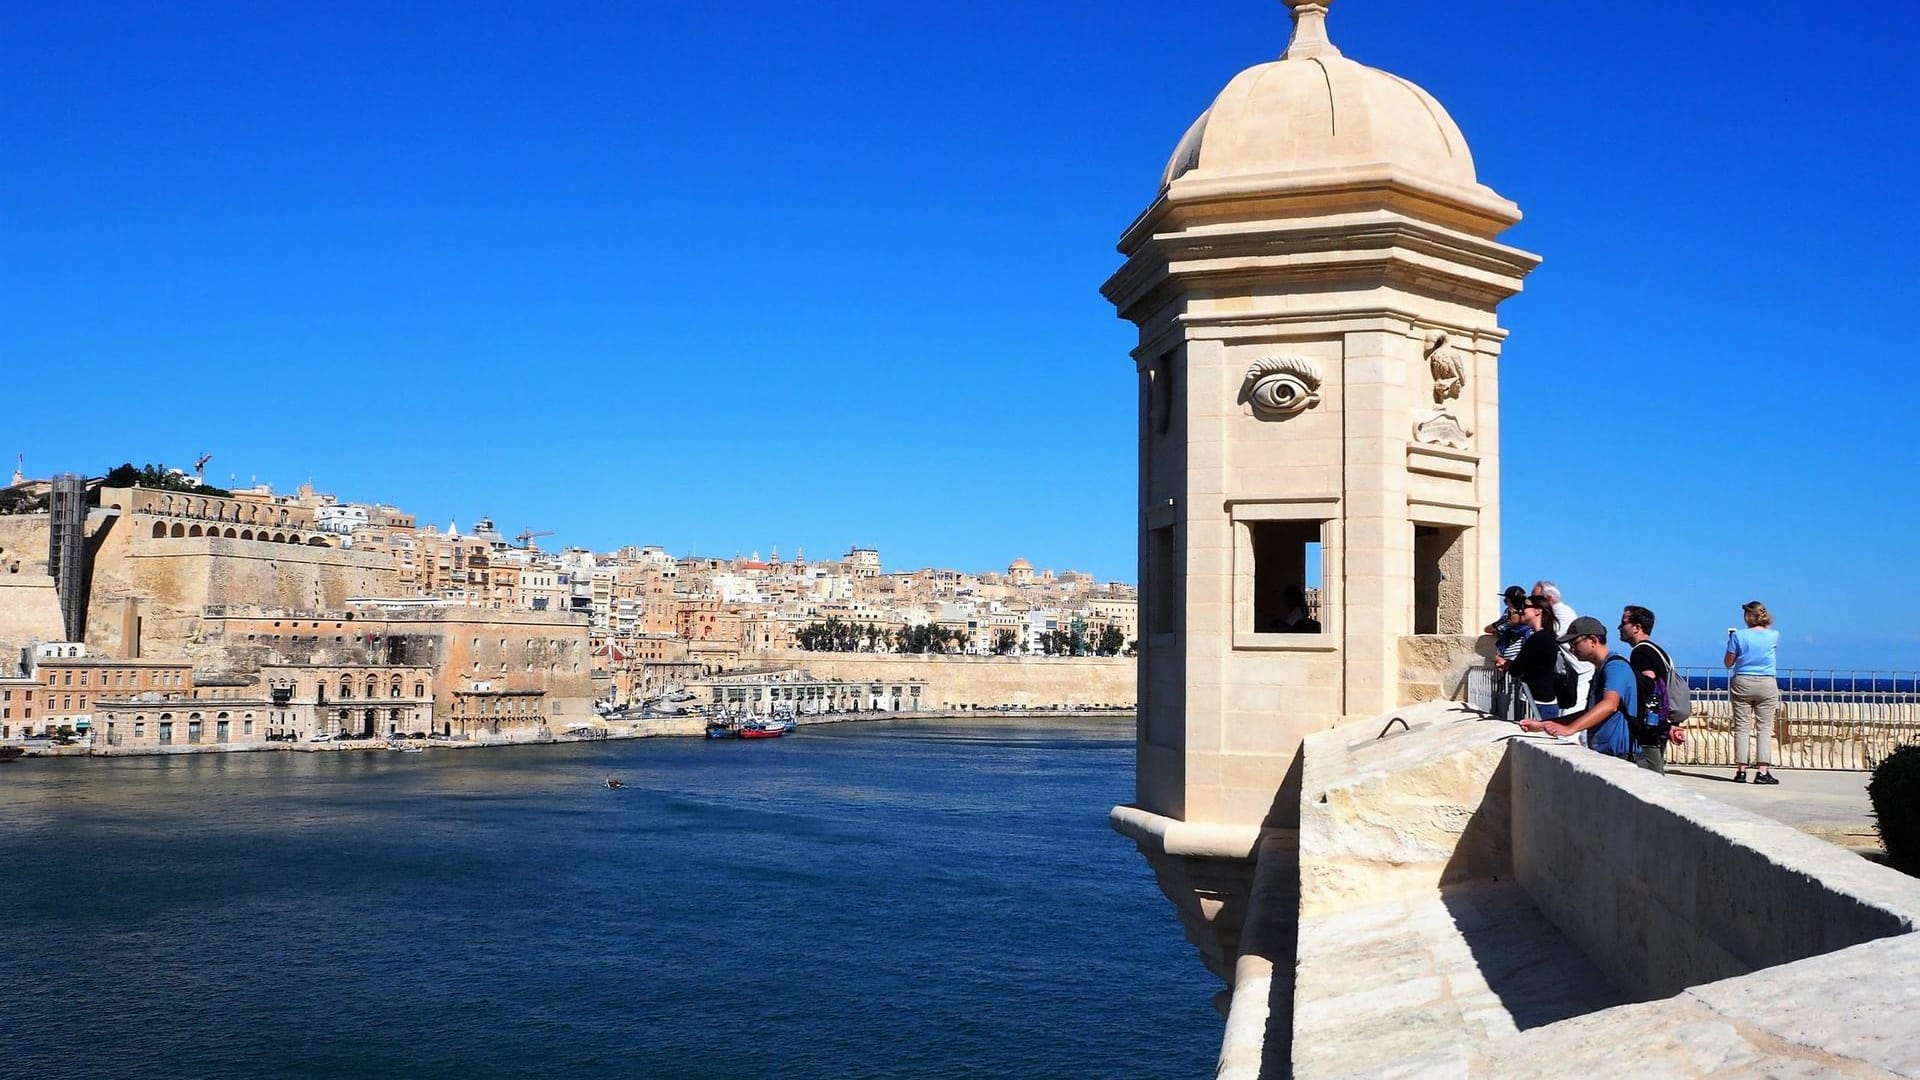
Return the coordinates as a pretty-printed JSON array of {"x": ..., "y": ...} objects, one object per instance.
[{"x": 1754, "y": 690}]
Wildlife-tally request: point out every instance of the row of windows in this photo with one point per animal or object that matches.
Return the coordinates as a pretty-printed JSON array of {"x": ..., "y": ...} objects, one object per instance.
[
  {"x": 373, "y": 689},
  {"x": 120, "y": 679}
]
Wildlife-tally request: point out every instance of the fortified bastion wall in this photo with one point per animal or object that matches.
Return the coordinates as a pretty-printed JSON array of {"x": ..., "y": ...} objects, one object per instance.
[
  {"x": 175, "y": 578},
  {"x": 29, "y": 604}
]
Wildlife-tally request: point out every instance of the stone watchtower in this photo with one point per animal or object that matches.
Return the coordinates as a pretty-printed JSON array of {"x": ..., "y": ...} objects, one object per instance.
[{"x": 1315, "y": 287}]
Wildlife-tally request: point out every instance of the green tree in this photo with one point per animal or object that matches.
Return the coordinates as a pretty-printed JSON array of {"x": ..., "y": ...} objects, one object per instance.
[
  {"x": 1003, "y": 642},
  {"x": 159, "y": 478},
  {"x": 1110, "y": 642}
]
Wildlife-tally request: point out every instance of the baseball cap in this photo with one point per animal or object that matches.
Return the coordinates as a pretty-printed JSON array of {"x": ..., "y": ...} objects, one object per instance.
[
  {"x": 1585, "y": 626},
  {"x": 1514, "y": 595}
]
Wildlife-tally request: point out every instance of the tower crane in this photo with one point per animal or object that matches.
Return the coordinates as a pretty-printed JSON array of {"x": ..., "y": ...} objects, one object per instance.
[
  {"x": 200, "y": 468},
  {"x": 527, "y": 536}
]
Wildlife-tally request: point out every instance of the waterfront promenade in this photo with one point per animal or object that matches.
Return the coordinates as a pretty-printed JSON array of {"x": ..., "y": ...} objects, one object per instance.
[
  {"x": 653, "y": 727},
  {"x": 1828, "y": 803}
]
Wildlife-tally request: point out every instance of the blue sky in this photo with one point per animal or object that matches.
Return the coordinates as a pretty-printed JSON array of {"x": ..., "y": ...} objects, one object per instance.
[{"x": 731, "y": 275}]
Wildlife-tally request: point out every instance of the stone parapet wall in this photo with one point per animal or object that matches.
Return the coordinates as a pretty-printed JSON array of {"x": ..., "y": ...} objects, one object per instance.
[
  {"x": 954, "y": 682},
  {"x": 1665, "y": 889},
  {"x": 1433, "y": 667}
]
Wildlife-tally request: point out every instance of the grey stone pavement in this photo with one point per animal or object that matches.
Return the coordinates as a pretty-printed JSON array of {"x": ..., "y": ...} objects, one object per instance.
[{"x": 1828, "y": 804}]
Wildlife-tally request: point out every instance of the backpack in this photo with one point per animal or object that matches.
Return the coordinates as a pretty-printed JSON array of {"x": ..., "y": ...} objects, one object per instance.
[
  {"x": 1671, "y": 702},
  {"x": 1566, "y": 680},
  {"x": 1675, "y": 696}
]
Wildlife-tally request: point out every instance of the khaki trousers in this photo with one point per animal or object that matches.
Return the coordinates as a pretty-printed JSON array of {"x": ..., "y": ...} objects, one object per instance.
[{"x": 1755, "y": 699}]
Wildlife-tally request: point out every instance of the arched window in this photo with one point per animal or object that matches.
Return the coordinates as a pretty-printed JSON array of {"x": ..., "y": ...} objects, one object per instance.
[
  {"x": 159, "y": 529},
  {"x": 232, "y": 534},
  {"x": 393, "y": 690},
  {"x": 246, "y": 534},
  {"x": 193, "y": 531},
  {"x": 373, "y": 688},
  {"x": 419, "y": 690},
  {"x": 346, "y": 687}
]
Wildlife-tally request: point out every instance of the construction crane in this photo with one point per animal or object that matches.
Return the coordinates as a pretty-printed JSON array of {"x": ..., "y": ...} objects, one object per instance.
[
  {"x": 200, "y": 468},
  {"x": 526, "y": 538}
]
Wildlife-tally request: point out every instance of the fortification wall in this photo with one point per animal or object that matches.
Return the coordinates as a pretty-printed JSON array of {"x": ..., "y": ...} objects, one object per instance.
[
  {"x": 980, "y": 681},
  {"x": 29, "y": 604},
  {"x": 176, "y": 577}
]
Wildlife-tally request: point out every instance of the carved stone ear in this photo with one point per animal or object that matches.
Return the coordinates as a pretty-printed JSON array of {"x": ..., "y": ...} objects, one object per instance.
[{"x": 1278, "y": 387}]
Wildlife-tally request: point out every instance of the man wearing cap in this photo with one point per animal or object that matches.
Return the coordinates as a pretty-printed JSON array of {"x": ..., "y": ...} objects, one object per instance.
[{"x": 1612, "y": 697}]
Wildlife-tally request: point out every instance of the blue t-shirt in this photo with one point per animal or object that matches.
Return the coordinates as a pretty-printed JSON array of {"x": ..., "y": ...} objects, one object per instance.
[
  {"x": 1613, "y": 736},
  {"x": 1754, "y": 650}
]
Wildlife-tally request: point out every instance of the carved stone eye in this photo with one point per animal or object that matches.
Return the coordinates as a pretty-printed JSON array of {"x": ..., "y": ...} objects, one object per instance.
[{"x": 1281, "y": 386}]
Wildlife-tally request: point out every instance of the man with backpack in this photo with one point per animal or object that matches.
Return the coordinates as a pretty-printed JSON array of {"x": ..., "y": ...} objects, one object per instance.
[
  {"x": 1612, "y": 697},
  {"x": 1653, "y": 674}
]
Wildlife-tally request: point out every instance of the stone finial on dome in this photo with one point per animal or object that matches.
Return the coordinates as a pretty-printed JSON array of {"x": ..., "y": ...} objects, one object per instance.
[{"x": 1309, "y": 31}]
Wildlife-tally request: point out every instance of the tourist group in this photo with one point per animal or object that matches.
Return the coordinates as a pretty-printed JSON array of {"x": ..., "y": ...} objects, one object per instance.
[{"x": 1559, "y": 675}]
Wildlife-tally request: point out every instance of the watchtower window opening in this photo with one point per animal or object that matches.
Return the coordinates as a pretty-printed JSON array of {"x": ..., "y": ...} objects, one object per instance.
[
  {"x": 1439, "y": 574},
  {"x": 1287, "y": 576}
]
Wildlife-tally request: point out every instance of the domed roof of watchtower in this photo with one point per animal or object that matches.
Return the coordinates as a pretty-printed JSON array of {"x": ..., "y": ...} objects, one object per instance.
[{"x": 1313, "y": 111}]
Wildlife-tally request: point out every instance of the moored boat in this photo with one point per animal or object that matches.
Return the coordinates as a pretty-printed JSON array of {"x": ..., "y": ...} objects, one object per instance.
[
  {"x": 765, "y": 729},
  {"x": 12, "y": 753}
]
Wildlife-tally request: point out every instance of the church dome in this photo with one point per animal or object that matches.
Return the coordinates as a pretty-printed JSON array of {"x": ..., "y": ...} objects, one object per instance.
[{"x": 1313, "y": 110}]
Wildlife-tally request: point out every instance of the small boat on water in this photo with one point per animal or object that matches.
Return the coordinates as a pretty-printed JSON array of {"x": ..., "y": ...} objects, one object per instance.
[
  {"x": 719, "y": 729},
  {"x": 615, "y": 782},
  {"x": 406, "y": 748},
  {"x": 766, "y": 729},
  {"x": 12, "y": 753}
]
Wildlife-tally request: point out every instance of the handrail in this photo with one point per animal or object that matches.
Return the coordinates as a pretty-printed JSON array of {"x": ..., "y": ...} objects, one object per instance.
[{"x": 1827, "y": 718}]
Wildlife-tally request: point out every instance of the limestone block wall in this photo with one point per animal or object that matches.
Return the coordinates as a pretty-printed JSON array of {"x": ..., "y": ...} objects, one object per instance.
[
  {"x": 29, "y": 603},
  {"x": 176, "y": 577},
  {"x": 1664, "y": 889},
  {"x": 1433, "y": 667},
  {"x": 979, "y": 681}
]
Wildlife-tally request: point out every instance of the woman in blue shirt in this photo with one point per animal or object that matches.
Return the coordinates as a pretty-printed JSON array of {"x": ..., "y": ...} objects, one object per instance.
[{"x": 1754, "y": 690}]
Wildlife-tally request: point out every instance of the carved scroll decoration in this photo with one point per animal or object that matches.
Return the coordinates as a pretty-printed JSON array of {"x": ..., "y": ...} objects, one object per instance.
[
  {"x": 1442, "y": 429},
  {"x": 1278, "y": 387}
]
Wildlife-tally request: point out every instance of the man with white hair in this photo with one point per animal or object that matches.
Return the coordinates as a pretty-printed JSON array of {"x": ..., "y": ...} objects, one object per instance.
[{"x": 1563, "y": 616}]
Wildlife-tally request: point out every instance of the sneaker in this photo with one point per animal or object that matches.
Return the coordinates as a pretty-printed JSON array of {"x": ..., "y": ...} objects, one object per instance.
[
  {"x": 1740, "y": 777},
  {"x": 1765, "y": 778}
]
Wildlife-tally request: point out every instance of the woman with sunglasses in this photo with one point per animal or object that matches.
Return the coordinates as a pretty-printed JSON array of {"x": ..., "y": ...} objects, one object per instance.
[{"x": 1536, "y": 662}]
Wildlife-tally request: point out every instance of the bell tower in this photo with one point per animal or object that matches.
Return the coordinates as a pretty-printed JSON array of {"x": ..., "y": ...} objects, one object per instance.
[{"x": 1315, "y": 289}]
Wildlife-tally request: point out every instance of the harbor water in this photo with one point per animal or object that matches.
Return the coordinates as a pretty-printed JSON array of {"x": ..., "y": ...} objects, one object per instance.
[{"x": 903, "y": 898}]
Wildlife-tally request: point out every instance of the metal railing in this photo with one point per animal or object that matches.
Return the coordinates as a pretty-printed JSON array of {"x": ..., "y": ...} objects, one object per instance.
[{"x": 1827, "y": 719}]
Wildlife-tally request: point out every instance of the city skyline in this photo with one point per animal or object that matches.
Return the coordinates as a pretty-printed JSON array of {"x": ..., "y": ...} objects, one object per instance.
[{"x": 735, "y": 275}]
